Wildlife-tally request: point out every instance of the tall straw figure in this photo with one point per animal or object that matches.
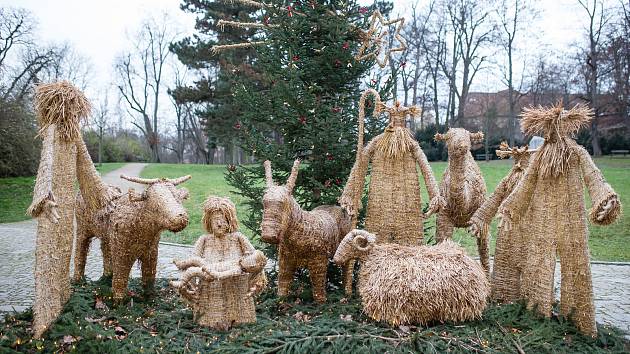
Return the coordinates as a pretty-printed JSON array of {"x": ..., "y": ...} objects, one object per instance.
[
  {"x": 550, "y": 200},
  {"x": 60, "y": 107},
  {"x": 394, "y": 204}
]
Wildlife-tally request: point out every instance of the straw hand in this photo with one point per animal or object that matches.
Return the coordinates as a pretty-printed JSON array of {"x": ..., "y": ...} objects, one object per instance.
[
  {"x": 475, "y": 227},
  {"x": 611, "y": 204},
  {"x": 50, "y": 210}
]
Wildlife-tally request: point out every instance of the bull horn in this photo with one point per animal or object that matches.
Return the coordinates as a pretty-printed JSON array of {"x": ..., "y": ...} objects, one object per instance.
[
  {"x": 268, "y": 174},
  {"x": 140, "y": 180},
  {"x": 293, "y": 176},
  {"x": 179, "y": 180},
  {"x": 360, "y": 240}
]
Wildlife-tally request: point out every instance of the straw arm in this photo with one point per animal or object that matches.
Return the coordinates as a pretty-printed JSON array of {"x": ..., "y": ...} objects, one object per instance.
[
  {"x": 436, "y": 201},
  {"x": 200, "y": 246},
  {"x": 43, "y": 197},
  {"x": 351, "y": 196},
  {"x": 489, "y": 208},
  {"x": 606, "y": 206},
  {"x": 515, "y": 205}
]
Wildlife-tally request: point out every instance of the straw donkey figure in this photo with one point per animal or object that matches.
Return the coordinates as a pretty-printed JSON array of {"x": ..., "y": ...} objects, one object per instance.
[
  {"x": 225, "y": 270},
  {"x": 305, "y": 238},
  {"x": 130, "y": 230},
  {"x": 463, "y": 188},
  {"x": 415, "y": 284},
  {"x": 510, "y": 247},
  {"x": 394, "y": 210},
  {"x": 550, "y": 201},
  {"x": 64, "y": 161}
]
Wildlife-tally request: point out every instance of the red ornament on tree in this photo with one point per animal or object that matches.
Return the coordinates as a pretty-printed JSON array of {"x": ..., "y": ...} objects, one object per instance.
[
  {"x": 329, "y": 156},
  {"x": 290, "y": 11},
  {"x": 296, "y": 58},
  {"x": 345, "y": 46},
  {"x": 237, "y": 126},
  {"x": 337, "y": 63},
  {"x": 363, "y": 10},
  {"x": 303, "y": 120},
  {"x": 328, "y": 183},
  {"x": 336, "y": 109},
  {"x": 338, "y": 181}
]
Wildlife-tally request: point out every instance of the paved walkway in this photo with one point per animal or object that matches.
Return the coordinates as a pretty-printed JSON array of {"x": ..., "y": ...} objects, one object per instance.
[{"x": 611, "y": 282}]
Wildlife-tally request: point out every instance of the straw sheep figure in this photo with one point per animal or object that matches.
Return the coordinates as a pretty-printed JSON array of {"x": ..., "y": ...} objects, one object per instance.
[
  {"x": 394, "y": 210},
  {"x": 130, "y": 230},
  {"x": 415, "y": 284},
  {"x": 510, "y": 246},
  {"x": 224, "y": 272},
  {"x": 463, "y": 188},
  {"x": 305, "y": 239},
  {"x": 64, "y": 161},
  {"x": 550, "y": 201}
]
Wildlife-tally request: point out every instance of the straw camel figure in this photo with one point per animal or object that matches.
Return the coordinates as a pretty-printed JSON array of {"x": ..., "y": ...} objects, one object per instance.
[
  {"x": 463, "y": 188},
  {"x": 305, "y": 239},
  {"x": 415, "y": 284},
  {"x": 394, "y": 210},
  {"x": 510, "y": 246},
  {"x": 550, "y": 201},
  {"x": 64, "y": 161},
  {"x": 130, "y": 230},
  {"x": 224, "y": 272}
]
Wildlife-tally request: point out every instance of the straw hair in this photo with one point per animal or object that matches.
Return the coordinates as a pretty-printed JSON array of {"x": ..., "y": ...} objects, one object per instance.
[
  {"x": 463, "y": 188},
  {"x": 61, "y": 104},
  {"x": 305, "y": 239},
  {"x": 415, "y": 284},
  {"x": 129, "y": 230},
  {"x": 222, "y": 205},
  {"x": 394, "y": 211},
  {"x": 224, "y": 272},
  {"x": 549, "y": 201}
]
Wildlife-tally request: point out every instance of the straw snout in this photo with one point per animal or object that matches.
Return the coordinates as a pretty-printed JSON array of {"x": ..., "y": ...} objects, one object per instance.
[
  {"x": 275, "y": 215},
  {"x": 166, "y": 203}
]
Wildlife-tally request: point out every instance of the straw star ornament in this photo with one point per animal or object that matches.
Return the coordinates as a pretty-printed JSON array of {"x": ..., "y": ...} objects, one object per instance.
[{"x": 374, "y": 39}]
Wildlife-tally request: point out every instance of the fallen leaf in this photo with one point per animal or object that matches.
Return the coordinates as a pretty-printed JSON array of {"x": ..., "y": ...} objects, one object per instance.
[
  {"x": 344, "y": 300},
  {"x": 94, "y": 320},
  {"x": 120, "y": 333},
  {"x": 302, "y": 317},
  {"x": 346, "y": 318},
  {"x": 404, "y": 329}
]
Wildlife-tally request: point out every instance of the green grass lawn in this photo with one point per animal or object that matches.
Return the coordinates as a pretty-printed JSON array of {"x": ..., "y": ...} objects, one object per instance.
[
  {"x": 16, "y": 194},
  {"x": 607, "y": 243}
]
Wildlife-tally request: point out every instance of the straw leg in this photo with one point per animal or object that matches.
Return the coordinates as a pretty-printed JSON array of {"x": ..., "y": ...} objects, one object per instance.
[
  {"x": 537, "y": 286},
  {"x": 317, "y": 268},
  {"x": 107, "y": 257},
  {"x": 149, "y": 265},
  {"x": 348, "y": 271},
  {"x": 576, "y": 289},
  {"x": 120, "y": 276},
  {"x": 285, "y": 273},
  {"x": 484, "y": 251},
  {"x": 81, "y": 248},
  {"x": 506, "y": 282},
  {"x": 444, "y": 227}
]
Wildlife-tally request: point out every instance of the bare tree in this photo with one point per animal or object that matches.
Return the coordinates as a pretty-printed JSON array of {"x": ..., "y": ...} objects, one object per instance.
[
  {"x": 16, "y": 29},
  {"x": 598, "y": 19},
  {"x": 100, "y": 121},
  {"x": 140, "y": 74}
]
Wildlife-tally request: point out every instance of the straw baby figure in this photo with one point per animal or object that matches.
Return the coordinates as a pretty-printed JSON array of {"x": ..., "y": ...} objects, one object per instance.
[
  {"x": 550, "y": 201},
  {"x": 394, "y": 210},
  {"x": 509, "y": 256},
  {"x": 218, "y": 281},
  {"x": 463, "y": 188}
]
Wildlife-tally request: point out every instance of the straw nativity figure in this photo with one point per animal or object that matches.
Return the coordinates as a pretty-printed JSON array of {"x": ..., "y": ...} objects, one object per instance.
[
  {"x": 224, "y": 272},
  {"x": 509, "y": 252},
  {"x": 550, "y": 201},
  {"x": 394, "y": 210},
  {"x": 64, "y": 160}
]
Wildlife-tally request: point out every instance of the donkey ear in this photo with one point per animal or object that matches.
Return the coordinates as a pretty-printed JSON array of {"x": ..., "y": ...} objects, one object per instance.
[
  {"x": 440, "y": 137},
  {"x": 476, "y": 137},
  {"x": 268, "y": 175},
  {"x": 293, "y": 175}
]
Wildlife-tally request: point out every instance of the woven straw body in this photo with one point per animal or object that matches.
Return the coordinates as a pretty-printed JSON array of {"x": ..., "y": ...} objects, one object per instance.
[
  {"x": 510, "y": 245},
  {"x": 224, "y": 271},
  {"x": 306, "y": 239},
  {"x": 394, "y": 210},
  {"x": 463, "y": 188},
  {"x": 550, "y": 201},
  {"x": 416, "y": 284}
]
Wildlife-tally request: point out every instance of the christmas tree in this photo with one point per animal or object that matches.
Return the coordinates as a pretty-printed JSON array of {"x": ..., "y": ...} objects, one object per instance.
[{"x": 304, "y": 104}]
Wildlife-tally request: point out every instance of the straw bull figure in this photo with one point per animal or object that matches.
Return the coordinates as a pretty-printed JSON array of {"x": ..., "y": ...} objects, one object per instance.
[
  {"x": 415, "y": 284},
  {"x": 463, "y": 188},
  {"x": 305, "y": 238},
  {"x": 130, "y": 230}
]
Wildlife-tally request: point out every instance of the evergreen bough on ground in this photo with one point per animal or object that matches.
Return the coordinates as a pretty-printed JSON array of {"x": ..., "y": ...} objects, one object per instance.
[{"x": 90, "y": 324}]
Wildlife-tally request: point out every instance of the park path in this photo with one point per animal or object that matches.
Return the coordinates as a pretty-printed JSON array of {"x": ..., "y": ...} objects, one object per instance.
[
  {"x": 611, "y": 282},
  {"x": 17, "y": 252}
]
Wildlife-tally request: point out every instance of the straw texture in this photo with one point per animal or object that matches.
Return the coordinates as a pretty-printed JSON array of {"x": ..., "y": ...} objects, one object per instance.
[
  {"x": 224, "y": 272},
  {"x": 550, "y": 201},
  {"x": 415, "y": 284},
  {"x": 394, "y": 203},
  {"x": 130, "y": 229},
  {"x": 510, "y": 248},
  {"x": 306, "y": 239},
  {"x": 463, "y": 188},
  {"x": 59, "y": 107}
]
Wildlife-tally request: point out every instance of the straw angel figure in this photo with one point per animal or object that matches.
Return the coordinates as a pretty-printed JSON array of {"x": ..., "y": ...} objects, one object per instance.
[
  {"x": 549, "y": 199},
  {"x": 394, "y": 204},
  {"x": 225, "y": 271}
]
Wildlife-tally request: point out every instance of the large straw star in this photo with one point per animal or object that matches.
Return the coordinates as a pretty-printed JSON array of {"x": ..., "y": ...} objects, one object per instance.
[{"x": 374, "y": 38}]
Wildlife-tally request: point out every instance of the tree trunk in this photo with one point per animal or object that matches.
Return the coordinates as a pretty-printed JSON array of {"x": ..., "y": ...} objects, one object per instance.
[{"x": 100, "y": 146}]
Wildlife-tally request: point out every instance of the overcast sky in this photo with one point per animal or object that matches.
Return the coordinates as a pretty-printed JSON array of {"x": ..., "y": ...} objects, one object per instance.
[{"x": 98, "y": 30}]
